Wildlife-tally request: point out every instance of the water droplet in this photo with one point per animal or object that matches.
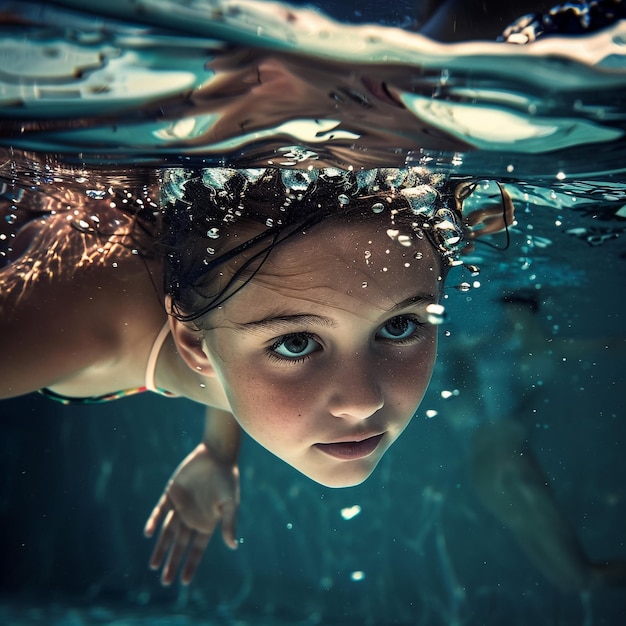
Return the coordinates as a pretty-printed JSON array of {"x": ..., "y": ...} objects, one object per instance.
[
  {"x": 11, "y": 218},
  {"x": 343, "y": 199},
  {"x": 357, "y": 576},
  {"x": 510, "y": 168},
  {"x": 561, "y": 176},
  {"x": 392, "y": 233},
  {"x": 448, "y": 333},
  {"x": 430, "y": 413},
  {"x": 134, "y": 251},
  {"x": 418, "y": 255},
  {"x": 269, "y": 222},
  {"x": 379, "y": 207},
  {"x": 464, "y": 286},
  {"x": 404, "y": 240},
  {"x": 213, "y": 233},
  {"x": 202, "y": 386},
  {"x": 364, "y": 284}
]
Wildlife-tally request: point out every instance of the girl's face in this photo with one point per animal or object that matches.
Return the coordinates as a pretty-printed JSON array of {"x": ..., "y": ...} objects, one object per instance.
[{"x": 326, "y": 354}]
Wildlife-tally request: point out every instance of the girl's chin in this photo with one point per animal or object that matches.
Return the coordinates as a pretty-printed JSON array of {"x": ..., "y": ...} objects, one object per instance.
[{"x": 348, "y": 474}]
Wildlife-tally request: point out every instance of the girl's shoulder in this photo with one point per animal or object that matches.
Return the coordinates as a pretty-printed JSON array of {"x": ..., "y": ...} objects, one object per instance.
[{"x": 74, "y": 293}]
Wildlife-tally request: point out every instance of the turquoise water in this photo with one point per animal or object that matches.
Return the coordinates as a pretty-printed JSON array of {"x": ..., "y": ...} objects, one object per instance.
[{"x": 89, "y": 99}]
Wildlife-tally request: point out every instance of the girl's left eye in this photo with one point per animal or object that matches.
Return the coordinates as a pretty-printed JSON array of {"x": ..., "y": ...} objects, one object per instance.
[{"x": 400, "y": 328}]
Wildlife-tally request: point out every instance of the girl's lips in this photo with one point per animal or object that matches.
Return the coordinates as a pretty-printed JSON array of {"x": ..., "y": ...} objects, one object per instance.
[{"x": 348, "y": 450}]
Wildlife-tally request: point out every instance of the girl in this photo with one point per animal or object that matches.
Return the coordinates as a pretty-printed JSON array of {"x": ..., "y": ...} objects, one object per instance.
[{"x": 301, "y": 302}]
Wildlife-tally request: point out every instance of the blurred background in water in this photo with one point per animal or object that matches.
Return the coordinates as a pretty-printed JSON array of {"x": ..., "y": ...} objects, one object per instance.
[{"x": 414, "y": 544}]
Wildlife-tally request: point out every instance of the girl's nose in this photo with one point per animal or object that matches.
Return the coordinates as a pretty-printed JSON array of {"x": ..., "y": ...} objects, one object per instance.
[{"x": 357, "y": 393}]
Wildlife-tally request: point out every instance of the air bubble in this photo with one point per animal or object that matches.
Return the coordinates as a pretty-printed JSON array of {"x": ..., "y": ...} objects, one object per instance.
[
  {"x": 435, "y": 313},
  {"x": 350, "y": 512},
  {"x": 463, "y": 286},
  {"x": 11, "y": 218},
  {"x": 95, "y": 194}
]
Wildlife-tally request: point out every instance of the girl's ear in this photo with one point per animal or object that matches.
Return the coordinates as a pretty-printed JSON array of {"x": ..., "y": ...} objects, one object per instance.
[{"x": 190, "y": 345}]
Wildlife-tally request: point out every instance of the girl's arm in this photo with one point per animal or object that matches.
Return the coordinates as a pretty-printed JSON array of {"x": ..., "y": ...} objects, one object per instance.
[{"x": 203, "y": 490}]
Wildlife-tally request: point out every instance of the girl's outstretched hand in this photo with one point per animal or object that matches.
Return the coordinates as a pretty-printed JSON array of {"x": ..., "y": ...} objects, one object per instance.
[{"x": 202, "y": 490}]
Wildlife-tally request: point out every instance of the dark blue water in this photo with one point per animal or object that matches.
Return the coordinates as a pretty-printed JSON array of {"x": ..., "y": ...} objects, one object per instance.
[{"x": 88, "y": 98}]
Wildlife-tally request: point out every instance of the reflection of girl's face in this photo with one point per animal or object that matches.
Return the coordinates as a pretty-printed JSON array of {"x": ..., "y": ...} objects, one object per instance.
[{"x": 326, "y": 354}]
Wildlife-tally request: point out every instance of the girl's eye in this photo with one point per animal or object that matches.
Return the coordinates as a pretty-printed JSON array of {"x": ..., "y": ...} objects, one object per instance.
[
  {"x": 295, "y": 346},
  {"x": 400, "y": 328}
]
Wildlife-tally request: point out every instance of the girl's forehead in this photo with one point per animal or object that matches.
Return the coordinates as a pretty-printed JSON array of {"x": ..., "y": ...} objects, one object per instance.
[
  {"x": 371, "y": 266},
  {"x": 362, "y": 246}
]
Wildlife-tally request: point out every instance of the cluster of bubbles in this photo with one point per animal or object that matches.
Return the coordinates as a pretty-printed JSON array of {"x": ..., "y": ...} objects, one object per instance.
[{"x": 420, "y": 188}]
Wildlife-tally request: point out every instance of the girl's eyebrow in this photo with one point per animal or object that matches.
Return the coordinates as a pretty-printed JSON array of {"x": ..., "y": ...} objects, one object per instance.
[
  {"x": 420, "y": 299},
  {"x": 279, "y": 321}
]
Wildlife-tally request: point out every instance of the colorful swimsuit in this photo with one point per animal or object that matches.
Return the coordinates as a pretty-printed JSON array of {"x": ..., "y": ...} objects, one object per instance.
[{"x": 116, "y": 395}]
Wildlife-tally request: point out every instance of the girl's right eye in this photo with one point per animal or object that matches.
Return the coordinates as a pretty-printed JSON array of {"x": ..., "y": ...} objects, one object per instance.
[{"x": 294, "y": 347}]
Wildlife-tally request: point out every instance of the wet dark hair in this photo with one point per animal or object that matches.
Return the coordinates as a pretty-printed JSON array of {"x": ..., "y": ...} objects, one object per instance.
[{"x": 204, "y": 210}]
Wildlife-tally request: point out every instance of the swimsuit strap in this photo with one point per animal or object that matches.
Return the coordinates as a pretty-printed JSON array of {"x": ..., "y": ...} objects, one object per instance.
[{"x": 154, "y": 357}]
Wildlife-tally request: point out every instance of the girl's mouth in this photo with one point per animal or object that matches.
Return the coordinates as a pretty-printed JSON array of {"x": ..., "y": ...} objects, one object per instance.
[{"x": 349, "y": 450}]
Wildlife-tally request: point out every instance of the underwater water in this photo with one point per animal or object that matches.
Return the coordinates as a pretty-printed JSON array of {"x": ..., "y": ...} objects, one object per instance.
[{"x": 95, "y": 99}]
